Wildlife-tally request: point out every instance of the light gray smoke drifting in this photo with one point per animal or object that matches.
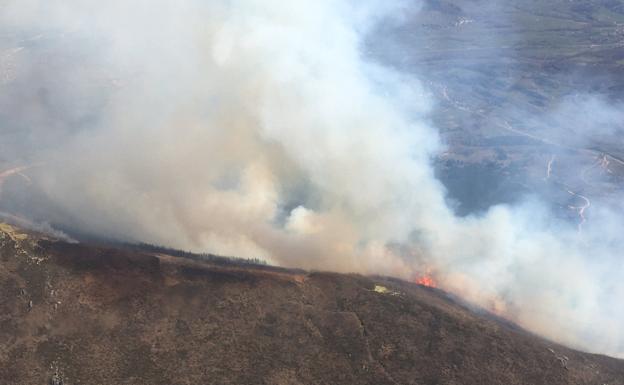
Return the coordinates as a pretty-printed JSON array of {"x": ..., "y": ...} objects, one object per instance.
[{"x": 257, "y": 128}]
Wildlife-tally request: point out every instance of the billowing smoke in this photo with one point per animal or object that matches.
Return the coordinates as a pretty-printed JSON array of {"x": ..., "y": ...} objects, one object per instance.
[{"x": 258, "y": 128}]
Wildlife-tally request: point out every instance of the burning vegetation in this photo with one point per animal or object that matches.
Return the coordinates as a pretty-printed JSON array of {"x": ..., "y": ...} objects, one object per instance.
[{"x": 426, "y": 280}]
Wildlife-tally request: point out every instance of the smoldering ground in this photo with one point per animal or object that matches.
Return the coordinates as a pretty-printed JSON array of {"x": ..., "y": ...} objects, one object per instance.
[{"x": 258, "y": 128}]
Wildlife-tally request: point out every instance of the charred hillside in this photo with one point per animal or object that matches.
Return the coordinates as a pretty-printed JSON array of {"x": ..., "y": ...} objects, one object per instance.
[{"x": 84, "y": 314}]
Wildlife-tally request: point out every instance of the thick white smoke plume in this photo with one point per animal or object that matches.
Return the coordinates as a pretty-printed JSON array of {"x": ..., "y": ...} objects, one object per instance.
[{"x": 258, "y": 128}]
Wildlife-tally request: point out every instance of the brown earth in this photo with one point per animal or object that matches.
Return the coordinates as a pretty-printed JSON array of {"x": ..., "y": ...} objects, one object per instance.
[{"x": 85, "y": 314}]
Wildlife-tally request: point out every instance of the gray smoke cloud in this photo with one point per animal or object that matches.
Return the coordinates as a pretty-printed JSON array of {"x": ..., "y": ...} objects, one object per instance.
[{"x": 258, "y": 128}]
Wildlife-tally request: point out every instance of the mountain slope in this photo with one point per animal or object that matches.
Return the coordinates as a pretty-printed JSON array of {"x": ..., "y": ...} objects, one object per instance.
[{"x": 84, "y": 314}]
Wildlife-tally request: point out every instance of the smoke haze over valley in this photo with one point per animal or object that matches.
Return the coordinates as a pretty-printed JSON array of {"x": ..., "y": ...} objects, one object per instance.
[{"x": 438, "y": 139}]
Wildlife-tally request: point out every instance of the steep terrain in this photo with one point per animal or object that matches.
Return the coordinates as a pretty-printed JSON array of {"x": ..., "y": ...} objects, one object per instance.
[{"x": 85, "y": 314}]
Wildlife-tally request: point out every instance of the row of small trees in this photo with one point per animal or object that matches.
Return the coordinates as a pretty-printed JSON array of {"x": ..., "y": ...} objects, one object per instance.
[{"x": 206, "y": 257}]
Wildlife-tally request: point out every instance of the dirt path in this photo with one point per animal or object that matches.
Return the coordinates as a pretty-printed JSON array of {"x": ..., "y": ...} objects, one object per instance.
[{"x": 5, "y": 175}]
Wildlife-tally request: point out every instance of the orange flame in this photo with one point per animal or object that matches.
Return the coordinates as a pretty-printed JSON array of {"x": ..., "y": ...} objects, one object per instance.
[{"x": 427, "y": 280}]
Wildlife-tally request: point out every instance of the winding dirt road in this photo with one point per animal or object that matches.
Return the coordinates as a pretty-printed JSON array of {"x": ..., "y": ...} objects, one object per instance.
[
  {"x": 5, "y": 175},
  {"x": 604, "y": 158},
  {"x": 549, "y": 167},
  {"x": 581, "y": 209}
]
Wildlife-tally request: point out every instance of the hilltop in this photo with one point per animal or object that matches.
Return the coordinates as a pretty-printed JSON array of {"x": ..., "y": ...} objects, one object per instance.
[{"x": 90, "y": 314}]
